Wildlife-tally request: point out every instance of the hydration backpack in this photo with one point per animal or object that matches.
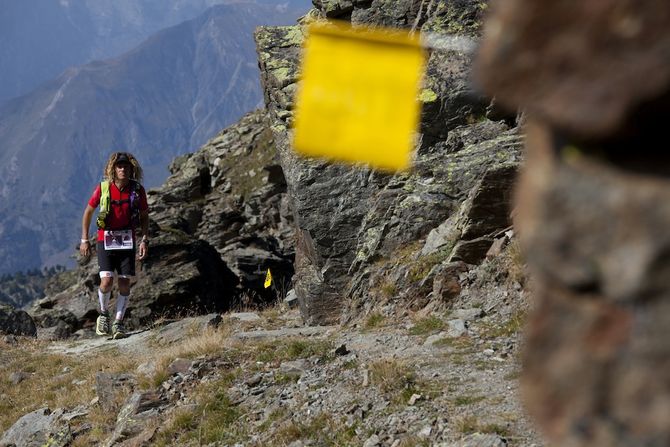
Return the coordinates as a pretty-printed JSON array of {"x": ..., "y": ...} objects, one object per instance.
[{"x": 106, "y": 202}]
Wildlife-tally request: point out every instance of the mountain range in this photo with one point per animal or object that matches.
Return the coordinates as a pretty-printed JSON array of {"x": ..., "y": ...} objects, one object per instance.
[
  {"x": 161, "y": 99},
  {"x": 39, "y": 39}
]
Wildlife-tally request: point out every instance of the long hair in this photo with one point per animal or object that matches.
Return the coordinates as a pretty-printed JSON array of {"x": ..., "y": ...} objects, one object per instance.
[{"x": 109, "y": 174}]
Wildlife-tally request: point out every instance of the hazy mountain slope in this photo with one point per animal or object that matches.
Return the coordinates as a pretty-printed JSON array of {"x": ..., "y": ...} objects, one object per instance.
[
  {"x": 39, "y": 39},
  {"x": 160, "y": 100}
]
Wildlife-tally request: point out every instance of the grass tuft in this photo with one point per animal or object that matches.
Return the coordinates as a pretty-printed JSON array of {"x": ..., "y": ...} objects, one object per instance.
[
  {"x": 427, "y": 326},
  {"x": 212, "y": 420},
  {"x": 396, "y": 380},
  {"x": 53, "y": 380},
  {"x": 210, "y": 342},
  {"x": 470, "y": 424},
  {"x": 373, "y": 321},
  {"x": 322, "y": 430},
  {"x": 468, "y": 400},
  {"x": 514, "y": 325},
  {"x": 278, "y": 351}
]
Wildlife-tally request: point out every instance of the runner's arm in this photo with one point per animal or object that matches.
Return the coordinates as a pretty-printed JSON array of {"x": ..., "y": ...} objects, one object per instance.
[
  {"x": 144, "y": 223},
  {"x": 144, "y": 244},
  {"x": 85, "y": 248}
]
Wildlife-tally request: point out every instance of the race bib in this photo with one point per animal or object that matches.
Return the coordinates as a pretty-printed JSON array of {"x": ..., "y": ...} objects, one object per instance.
[{"x": 119, "y": 240}]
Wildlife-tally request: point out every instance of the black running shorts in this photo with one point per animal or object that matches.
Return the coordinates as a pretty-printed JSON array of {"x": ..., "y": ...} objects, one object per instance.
[{"x": 119, "y": 261}]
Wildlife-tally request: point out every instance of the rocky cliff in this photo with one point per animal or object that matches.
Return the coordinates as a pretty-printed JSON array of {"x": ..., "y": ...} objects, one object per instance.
[{"x": 351, "y": 222}]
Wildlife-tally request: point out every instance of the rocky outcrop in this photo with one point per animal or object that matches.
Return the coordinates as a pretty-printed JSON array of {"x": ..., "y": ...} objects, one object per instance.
[
  {"x": 231, "y": 193},
  {"x": 182, "y": 278},
  {"x": 16, "y": 322},
  {"x": 348, "y": 218},
  {"x": 236, "y": 207},
  {"x": 465, "y": 186}
]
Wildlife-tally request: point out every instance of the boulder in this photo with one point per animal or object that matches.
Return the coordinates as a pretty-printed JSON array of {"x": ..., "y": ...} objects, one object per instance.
[
  {"x": 38, "y": 428},
  {"x": 59, "y": 331},
  {"x": 16, "y": 322},
  {"x": 56, "y": 317},
  {"x": 232, "y": 194},
  {"x": 446, "y": 283},
  {"x": 109, "y": 386},
  {"x": 137, "y": 420},
  {"x": 480, "y": 440},
  {"x": 181, "y": 275}
]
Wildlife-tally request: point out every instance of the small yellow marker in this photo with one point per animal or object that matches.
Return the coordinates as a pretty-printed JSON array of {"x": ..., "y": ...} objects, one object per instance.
[
  {"x": 268, "y": 279},
  {"x": 358, "y": 97}
]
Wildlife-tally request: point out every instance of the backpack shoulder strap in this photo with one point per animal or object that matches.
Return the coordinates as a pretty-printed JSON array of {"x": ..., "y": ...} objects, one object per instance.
[
  {"x": 135, "y": 188},
  {"x": 104, "y": 204},
  {"x": 134, "y": 193}
]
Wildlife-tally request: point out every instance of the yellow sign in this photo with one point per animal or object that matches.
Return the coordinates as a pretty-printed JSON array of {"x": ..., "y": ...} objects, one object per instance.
[
  {"x": 358, "y": 97},
  {"x": 268, "y": 279}
]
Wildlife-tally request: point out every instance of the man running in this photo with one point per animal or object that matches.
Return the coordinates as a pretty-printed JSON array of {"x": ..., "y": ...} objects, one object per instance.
[{"x": 123, "y": 207}]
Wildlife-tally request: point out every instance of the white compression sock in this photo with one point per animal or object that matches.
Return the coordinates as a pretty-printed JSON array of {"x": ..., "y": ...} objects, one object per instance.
[
  {"x": 121, "y": 304},
  {"x": 104, "y": 300}
]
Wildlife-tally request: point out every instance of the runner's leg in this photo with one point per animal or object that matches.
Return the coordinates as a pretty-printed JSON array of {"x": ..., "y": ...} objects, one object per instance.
[
  {"x": 126, "y": 271},
  {"x": 102, "y": 324},
  {"x": 122, "y": 298},
  {"x": 103, "y": 297}
]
